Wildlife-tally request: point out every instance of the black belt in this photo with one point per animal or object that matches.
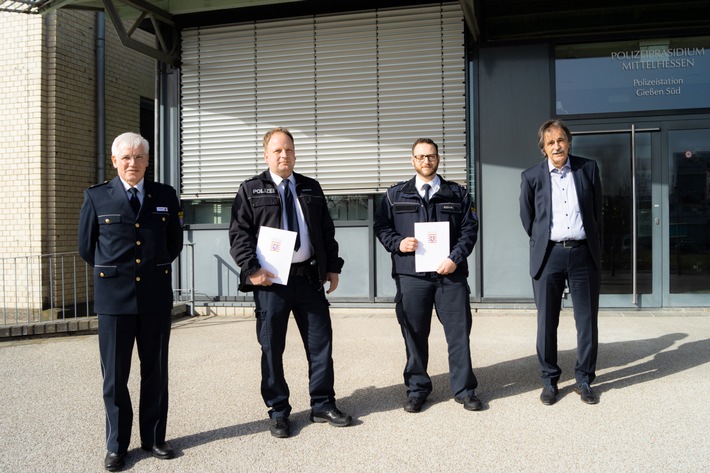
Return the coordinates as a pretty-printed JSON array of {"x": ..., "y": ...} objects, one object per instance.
[
  {"x": 303, "y": 268},
  {"x": 569, "y": 243}
]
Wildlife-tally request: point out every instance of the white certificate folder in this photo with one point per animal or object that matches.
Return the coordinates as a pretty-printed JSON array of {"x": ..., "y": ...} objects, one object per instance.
[
  {"x": 433, "y": 245},
  {"x": 274, "y": 248}
]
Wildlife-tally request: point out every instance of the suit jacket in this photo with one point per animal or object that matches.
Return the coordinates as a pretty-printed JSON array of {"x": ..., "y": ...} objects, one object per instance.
[
  {"x": 536, "y": 207},
  {"x": 131, "y": 255}
]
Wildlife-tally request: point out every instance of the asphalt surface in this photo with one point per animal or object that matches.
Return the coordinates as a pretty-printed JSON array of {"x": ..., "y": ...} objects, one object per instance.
[{"x": 653, "y": 380}]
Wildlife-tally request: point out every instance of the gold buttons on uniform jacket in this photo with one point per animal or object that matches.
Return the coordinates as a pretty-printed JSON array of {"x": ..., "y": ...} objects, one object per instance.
[
  {"x": 108, "y": 220},
  {"x": 166, "y": 271},
  {"x": 138, "y": 261},
  {"x": 138, "y": 225},
  {"x": 163, "y": 219},
  {"x": 101, "y": 274},
  {"x": 138, "y": 243},
  {"x": 138, "y": 279}
]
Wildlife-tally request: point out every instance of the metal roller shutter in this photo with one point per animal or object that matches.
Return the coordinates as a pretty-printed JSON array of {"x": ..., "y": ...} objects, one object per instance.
[{"x": 355, "y": 89}]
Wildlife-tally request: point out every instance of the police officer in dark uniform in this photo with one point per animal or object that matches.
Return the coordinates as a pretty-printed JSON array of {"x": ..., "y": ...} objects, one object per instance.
[
  {"x": 268, "y": 200},
  {"x": 429, "y": 198},
  {"x": 130, "y": 231}
]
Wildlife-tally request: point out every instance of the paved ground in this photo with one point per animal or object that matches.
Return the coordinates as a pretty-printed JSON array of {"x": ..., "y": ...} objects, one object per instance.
[{"x": 653, "y": 378}]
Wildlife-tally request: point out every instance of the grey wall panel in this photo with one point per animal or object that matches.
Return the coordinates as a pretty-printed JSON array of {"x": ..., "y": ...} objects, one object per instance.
[
  {"x": 216, "y": 274},
  {"x": 515, "y": 101},
  {"x": 354, "y": 249}
]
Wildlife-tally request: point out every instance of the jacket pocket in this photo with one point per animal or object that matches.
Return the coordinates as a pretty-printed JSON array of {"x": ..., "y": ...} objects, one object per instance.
[
  {"x": 448, "y": 208},
  {"x": 108, "y": 219},
  {"x": 265, "y": 201},
  {"x": 405, "y": 207},
  {"x": 161, "y": 217},
  {"x": 164, "y": 268},
  {"x": 106, "y": 271}
]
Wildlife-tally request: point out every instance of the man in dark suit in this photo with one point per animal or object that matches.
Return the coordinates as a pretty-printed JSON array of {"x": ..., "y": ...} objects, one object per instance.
[
  {"x": 130, "y": 231},
  {"x": 561, "y": 208},
  {"x": 280, "y": 198}
]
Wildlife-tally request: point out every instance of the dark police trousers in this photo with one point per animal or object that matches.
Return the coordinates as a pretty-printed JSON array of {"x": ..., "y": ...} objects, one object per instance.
[
  {"x": 415, "y": 299},
  {"x": 310, "y": 310},
  {"x": 151, "y": 333}
]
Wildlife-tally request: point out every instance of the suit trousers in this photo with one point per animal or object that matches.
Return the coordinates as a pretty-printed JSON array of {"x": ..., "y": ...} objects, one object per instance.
[
  {"x": 151, "y": 333},
  {"x": 415, "y": 299},
  {"x": 577, "y": 267},
  {"x": 310, "y": 310}
]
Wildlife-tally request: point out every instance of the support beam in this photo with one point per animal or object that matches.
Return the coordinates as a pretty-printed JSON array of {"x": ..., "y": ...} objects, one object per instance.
[{"x": 166, "y": 32}]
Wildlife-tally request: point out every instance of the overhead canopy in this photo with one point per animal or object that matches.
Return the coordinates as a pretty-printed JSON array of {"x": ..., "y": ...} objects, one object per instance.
[{"x": 489, "y": 22}]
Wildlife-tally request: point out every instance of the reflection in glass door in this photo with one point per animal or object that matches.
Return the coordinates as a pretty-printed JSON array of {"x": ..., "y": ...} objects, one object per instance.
[
  {"x": 689, "y": 212},
  {"x": 626, "y": 167}
]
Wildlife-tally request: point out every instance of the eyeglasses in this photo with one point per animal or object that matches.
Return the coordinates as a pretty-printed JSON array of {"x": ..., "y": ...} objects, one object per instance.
[
  {"x": 428, "y": 157},
  {"x": 136, "y": 158}
]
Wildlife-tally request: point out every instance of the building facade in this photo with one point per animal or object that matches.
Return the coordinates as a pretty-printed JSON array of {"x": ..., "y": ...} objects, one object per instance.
[
  {"x": 358, "y": 82},
  {"x": 358, "y": 86}
]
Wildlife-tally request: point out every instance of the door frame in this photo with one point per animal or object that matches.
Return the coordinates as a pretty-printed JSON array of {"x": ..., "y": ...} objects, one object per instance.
[
  {"x": 681, "y": 299},
  {"x": 633, "y": 127}
]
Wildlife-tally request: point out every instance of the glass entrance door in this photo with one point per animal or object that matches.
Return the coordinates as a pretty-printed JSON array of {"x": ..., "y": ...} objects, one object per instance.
[
  {"x": 631, "y": 230},
  {"x": 687, "y": 245}
]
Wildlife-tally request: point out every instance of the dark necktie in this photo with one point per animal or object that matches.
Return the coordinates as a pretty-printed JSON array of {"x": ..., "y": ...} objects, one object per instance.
[
  {"x": 135, "y": 203},
  {"x": 426, "y": 188},
  {"x": 290, "y": 206}
]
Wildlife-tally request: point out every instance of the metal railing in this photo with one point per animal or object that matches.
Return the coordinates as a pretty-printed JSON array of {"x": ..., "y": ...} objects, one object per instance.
[
  {"x": 42, "y": 288},
  {"x": 57, "y": 286}
]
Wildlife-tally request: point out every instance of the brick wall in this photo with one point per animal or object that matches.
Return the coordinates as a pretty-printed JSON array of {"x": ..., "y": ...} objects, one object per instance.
[{"x": 48, "y": 132}]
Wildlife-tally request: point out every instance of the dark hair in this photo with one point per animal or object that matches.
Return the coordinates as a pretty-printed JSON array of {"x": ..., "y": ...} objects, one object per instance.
[
  {"x": 427, "y": 141},
  {"x": 555, "y": 123},
  {"x": 270, "y": 133}
]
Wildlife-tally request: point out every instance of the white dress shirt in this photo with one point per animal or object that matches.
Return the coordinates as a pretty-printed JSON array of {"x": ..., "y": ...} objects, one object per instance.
[
  {"x": 566, "y": 217},
  {"x": 305, "y": 251}
]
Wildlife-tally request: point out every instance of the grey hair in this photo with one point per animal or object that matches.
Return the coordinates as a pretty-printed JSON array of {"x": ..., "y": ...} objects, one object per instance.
[{"x": 129, "y": 140}]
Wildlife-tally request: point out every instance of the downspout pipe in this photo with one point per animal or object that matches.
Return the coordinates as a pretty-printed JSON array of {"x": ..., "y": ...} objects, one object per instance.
[{"x": 100, "y": 97}]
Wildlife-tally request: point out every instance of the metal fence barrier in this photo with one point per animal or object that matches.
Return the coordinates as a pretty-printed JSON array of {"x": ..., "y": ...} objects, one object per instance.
[
  {"x": 42, "y": 288},
  {"x": 58, "y": 286}
]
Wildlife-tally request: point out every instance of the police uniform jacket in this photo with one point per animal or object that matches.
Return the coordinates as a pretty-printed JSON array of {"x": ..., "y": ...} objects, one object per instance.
[
  {"x": 258, "y": 204},
  {"x": 131, "y": 256},
  {"x": 402, "y": 206}
]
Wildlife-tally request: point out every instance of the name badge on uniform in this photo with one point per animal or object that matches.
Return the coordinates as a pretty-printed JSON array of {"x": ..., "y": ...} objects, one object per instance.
[{"x": 161, "y": 209}]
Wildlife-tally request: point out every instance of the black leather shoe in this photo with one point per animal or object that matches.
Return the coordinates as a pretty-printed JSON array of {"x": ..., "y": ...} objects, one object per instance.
[
  {"x": 114, "y": 461},
  {"x": 414, "y": 404},
  {"x": 332, "y": 416},
  {"x": 586, "y": 394},
  {"x": 280, "y": 427},
  {"x": 548, "y": 396},
  {"x": 470, "y": 402},
  {"x": 161, "y": 450}
]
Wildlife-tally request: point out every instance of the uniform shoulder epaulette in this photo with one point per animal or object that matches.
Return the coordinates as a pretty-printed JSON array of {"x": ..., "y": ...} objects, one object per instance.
[
  {"x": 99, "y": 184},
  {"x": 251, "y": 178}
]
